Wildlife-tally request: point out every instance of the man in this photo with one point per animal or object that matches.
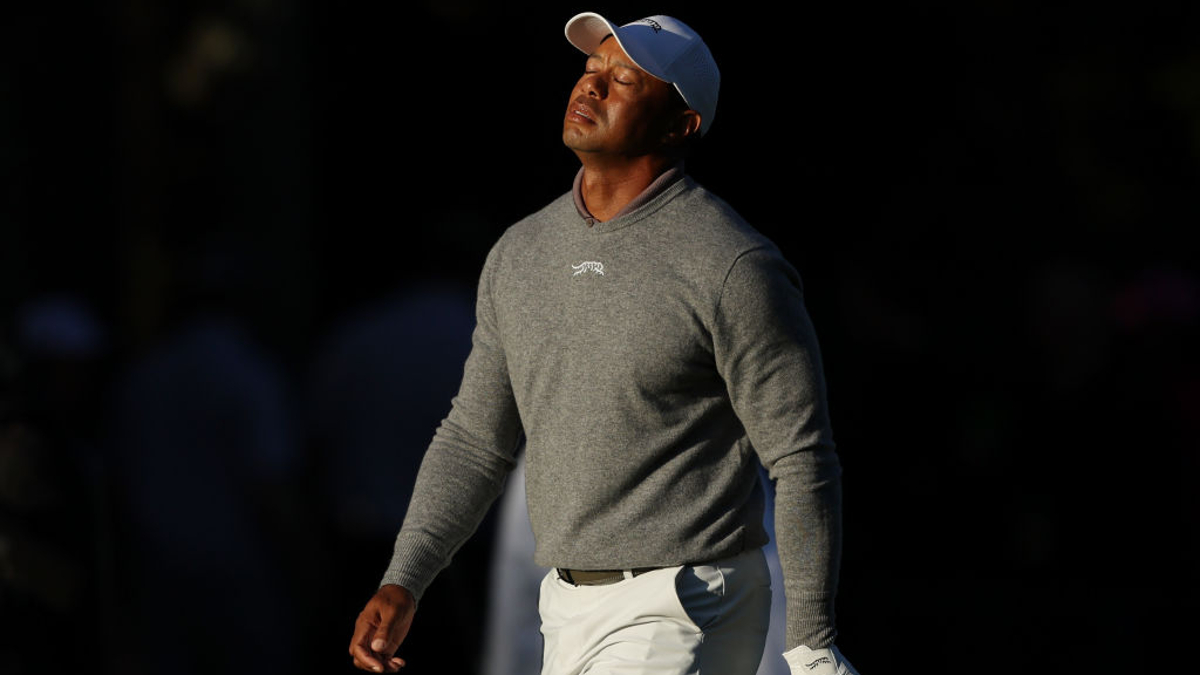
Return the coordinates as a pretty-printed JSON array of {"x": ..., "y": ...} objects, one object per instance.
[{"x": 651, "y": 348}]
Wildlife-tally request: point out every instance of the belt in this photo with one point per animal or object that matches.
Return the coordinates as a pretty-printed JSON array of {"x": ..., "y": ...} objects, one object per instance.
[{"x": 599, "y": 577}]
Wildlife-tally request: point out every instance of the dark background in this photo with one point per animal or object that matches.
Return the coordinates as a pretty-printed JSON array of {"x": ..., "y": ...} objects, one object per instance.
[{"x": 988, "y": 201}]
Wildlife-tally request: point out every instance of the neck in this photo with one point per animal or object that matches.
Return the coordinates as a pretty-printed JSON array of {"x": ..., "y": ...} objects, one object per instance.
[{"x": 609, "y": 186}]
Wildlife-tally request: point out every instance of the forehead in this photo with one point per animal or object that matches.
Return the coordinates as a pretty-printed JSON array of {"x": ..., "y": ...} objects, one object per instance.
[{"x": 610, "y": 51}]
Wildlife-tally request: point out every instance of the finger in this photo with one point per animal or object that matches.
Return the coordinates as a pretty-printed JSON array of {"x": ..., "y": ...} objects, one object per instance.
[
  {"x": 390, "y": 632},
  {"x": 365, "y": 660},
  {"x": 381, "y": 641},
  {"x": 370, "y": 663},
  {"x": 364, "y": 628}
]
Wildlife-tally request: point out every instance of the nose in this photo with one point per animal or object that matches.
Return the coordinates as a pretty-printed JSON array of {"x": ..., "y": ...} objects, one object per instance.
[{"x": 593, "y": 85}]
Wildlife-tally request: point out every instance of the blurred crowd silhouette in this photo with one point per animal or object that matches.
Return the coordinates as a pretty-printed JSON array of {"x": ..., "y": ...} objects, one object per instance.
[{"x": 238, "y": 251}]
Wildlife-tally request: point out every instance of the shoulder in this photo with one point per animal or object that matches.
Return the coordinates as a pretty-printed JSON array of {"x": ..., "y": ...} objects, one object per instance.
[
  {"x": 534, "y": 226},
  {"x": 531, "y": 232},
  {"x": 705, "y": 226}
]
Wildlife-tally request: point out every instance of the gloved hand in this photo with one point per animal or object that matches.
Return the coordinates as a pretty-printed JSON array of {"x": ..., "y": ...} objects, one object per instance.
[{"x": 829, "y": 661}]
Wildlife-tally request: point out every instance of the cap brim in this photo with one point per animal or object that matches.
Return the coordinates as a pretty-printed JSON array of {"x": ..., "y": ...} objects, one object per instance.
[{"x": 587, "y": 30}]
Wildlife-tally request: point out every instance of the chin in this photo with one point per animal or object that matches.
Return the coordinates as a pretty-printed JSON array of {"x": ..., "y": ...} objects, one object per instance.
[{"x": 574, "y": 140}]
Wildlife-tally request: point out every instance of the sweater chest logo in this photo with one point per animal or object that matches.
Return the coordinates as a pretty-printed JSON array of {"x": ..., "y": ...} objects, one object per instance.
[{"x": 588, "y": 266}]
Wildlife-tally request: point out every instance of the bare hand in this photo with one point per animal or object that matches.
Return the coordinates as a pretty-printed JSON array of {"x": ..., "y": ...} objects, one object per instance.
[{"x": 381, "y": 627}]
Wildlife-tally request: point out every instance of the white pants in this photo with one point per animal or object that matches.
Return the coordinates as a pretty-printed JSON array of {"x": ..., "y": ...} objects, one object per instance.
[{"x": 706, "y": 619}]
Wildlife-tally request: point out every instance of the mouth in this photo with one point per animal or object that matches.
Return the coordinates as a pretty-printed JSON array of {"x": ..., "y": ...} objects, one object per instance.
[{"x": 581, "y": 111}]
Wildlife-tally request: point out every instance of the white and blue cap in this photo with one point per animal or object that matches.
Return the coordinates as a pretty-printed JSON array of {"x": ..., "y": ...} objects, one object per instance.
[{"x": 663, "y": 46}]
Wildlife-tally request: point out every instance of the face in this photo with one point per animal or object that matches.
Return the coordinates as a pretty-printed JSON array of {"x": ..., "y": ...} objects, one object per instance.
[{"x": 616, "y": 108}]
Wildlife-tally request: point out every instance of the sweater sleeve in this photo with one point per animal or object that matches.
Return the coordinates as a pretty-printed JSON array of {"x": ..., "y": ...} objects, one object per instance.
[
  {"x": 466, "y": 464},
  {"x": 767, "y": 352}
]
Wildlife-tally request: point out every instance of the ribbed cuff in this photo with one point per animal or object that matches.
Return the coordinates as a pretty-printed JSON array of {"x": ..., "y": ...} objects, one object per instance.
[
  {"x": 416, "y": 560},
  {"x": 810, "y": 622}
]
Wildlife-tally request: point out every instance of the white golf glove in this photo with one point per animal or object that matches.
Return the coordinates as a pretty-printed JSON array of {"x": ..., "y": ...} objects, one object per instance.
[{"x": 805, "y": 661}]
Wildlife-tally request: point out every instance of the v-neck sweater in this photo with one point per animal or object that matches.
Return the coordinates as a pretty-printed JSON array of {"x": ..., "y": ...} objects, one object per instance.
[{"x": 650, "y": 362}]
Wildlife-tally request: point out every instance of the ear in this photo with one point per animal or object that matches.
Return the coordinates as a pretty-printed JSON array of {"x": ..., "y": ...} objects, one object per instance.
[{"x": 685, "y": 125}]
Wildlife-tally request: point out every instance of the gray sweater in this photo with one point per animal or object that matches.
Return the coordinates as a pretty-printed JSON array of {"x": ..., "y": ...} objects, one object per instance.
[{"x": 651, "y": 361}]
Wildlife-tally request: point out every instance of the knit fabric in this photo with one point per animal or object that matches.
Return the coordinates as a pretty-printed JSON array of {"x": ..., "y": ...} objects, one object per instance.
[{"x": 651, "y": 361}]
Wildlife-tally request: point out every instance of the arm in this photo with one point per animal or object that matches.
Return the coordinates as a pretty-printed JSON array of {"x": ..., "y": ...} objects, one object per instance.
[
  {"x": 465, "y": 467},
  {"x": 767, "y": 352},
  {"x": 462, "y": 473}
]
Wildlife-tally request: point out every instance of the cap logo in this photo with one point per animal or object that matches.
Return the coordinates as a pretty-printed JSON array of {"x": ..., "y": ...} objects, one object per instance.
[{"x": 653, "y": 24}]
